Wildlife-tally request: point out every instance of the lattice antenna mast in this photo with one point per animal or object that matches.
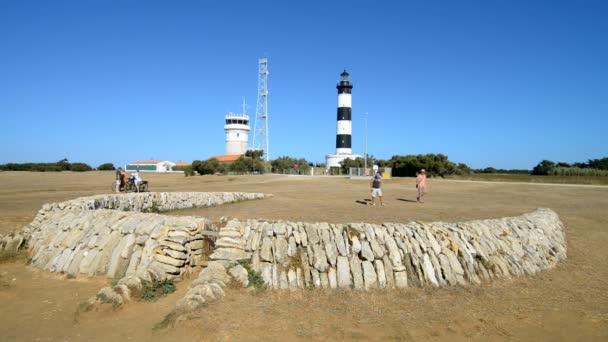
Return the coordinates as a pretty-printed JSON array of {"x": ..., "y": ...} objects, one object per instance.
[{"x": 260, "y": 135}]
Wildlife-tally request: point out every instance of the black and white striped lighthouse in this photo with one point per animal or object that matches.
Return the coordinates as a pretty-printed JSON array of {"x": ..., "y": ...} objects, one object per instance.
[{"x": 345, "y": 127}]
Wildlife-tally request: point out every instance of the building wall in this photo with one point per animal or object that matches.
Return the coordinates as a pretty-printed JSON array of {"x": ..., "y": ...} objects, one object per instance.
[{"x": 141, "y": 167}]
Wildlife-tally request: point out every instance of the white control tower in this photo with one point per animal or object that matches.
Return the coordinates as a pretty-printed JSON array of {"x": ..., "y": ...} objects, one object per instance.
[{"x": 237, "y": 133}]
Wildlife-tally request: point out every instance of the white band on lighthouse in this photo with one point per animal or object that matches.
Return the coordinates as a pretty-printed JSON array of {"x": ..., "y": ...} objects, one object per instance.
[
  {"x": 345, "y": 127},
  {"x": 345, "y": 100}
]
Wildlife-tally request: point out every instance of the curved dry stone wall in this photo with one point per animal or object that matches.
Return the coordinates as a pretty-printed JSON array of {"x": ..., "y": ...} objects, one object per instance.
[
  {"x": 117, "y": 236},
  {"x": 291, "y": 255}
]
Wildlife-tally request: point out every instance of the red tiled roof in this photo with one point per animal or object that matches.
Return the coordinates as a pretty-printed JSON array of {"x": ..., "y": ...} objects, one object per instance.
[
  {"x": 181, "y": 163},
  {"x": 140, "y": 162},
  {"x": 228, "y": 158}
]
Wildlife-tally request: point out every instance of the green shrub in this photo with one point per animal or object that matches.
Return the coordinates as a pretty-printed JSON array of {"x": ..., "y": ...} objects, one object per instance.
[
  {"x": 80, "y": 167},
  {"x": 152, "y": 209},
  {"x": 106, "y": 167},
  {"x": 151, "y": 291},
  {"x": 255, "y": 278}
]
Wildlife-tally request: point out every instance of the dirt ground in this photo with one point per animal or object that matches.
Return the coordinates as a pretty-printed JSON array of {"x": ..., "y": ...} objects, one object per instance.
[{"x": 565, "y": 304}]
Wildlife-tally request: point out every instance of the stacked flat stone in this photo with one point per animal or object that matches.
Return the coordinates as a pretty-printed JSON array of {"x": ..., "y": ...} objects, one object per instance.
[
  {"x": 81, "y": 236},
  {"x": 224, "y": 267},
  {"x": 292, "y": 255},
  {"x": 108, "y": 235},
  {"x": 297, "y": 255},
  {"x": 114, "y": 244}
]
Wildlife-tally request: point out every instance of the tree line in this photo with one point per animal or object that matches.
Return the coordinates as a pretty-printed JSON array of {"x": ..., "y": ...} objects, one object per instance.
[
  {"x": 62, "y": 165},
  {"x": 593, "y": 167}
]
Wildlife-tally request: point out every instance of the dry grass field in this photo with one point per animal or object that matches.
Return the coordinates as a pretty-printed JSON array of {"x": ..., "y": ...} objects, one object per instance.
[{"x": 565, "y": 304}]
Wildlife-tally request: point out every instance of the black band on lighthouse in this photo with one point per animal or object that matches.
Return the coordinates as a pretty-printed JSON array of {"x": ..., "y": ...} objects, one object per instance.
[
  {"x": 344, "y": 88},
  {"x": 343, "y": 141},
  {"x": 344, "y": 113}
]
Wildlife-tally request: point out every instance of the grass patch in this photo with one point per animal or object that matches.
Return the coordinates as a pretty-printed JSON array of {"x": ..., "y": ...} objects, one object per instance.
[
  {"x": 151, "y": 291},
  {"x": 295, "y": 261},
  {"x": 152, "y": 209},
  {"x": 12, "y": 256},
  {"x": 255, "y": 278},
  {"x": 353, "y": 233}
]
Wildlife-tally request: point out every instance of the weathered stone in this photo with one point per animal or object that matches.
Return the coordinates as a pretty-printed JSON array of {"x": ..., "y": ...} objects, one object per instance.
[
  {"x": 343, "y": 270},
  {"x": 429, "y": 272},
  {"x": 312, "y": 234},
  {"x": 324, "y": 280},
  {"x": 266, "y": 273},
  {"x": 279, "y": 228},
  {"x": 169, "y": 260},
  {"x": 369, "y": 275},
  {"x": 366, "y": 251},
  {"x": 280, "y": 249},
  {"x": 291, "y": 251},
  {"x": 230, "y": 243},
  {"x": 316, "y": 278},
  {"x": 275, "y": 277},
  {"x": 173, "y": 245},
  {"x": 319, "y": 258},
  {"x": 356, "y": 245},
  {"x": 376, "y": 249},
  {"x": 230, "y": 254},
  {"x": 388, "y": 272},
  {"x": 355, "y": 269},
  {"x": 333, "y": 280},
  {"x": 379, "y": 265},
  {"x": 331, "y": 252},
  {"x": 339, "y": 242},
  {"x": 283, "y": 282},
  {"x": 266, "y": 250},
  {"x": 196, "y": 244},
  {"x": 239, "y": 273},
  {"x": 175, "y": 254},
  {"x": 401, "y": 280},
  {"x": 109, "y": 296}
]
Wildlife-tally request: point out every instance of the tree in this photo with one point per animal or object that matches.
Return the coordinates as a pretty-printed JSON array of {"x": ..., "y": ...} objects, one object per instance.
[
  {"x": 80, "y": 167},
  {"x": 347, "y": 163},
  {"x": 254, "y": 154},
  {"x": 106, "y": 167},
  {"x": 600, "y": 164},
  {"x": 543, "y": 168},
  {"x": 207, "y": 167},
  {"x": 286, "y": 164}
]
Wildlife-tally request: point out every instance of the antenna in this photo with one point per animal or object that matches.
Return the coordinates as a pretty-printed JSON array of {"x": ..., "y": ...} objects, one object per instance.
[
  {"x": 365, "y": 142},
  {"x": 260, "y": 133}
]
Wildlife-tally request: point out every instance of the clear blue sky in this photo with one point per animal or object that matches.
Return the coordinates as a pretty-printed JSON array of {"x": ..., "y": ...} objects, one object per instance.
[{"x": 489, "y": 83}]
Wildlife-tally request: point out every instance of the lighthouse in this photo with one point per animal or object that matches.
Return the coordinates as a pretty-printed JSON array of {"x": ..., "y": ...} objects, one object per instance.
[{"x": 344, "y": 128}]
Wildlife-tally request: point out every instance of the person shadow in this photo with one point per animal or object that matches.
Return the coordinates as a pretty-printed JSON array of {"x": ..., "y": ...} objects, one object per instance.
[
  {"x": 364, "y": 202},
  {"x": 405, "y": 200}
]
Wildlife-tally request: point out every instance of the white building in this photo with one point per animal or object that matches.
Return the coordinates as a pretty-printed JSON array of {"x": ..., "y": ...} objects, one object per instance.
[
  {"x": 151, "y": 166},
  {"x": 237, "y": 133}
]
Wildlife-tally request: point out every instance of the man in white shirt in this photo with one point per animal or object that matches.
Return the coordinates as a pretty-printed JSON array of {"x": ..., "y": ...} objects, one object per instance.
[{"x": 136, "y": 179}]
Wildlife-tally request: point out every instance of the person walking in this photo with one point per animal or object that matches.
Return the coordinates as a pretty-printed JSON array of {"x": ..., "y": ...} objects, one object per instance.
[
  {"x": 117, "y": 181},
  {"x": 421, "y": 185},
  {"x": 376, "y": 186}
]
